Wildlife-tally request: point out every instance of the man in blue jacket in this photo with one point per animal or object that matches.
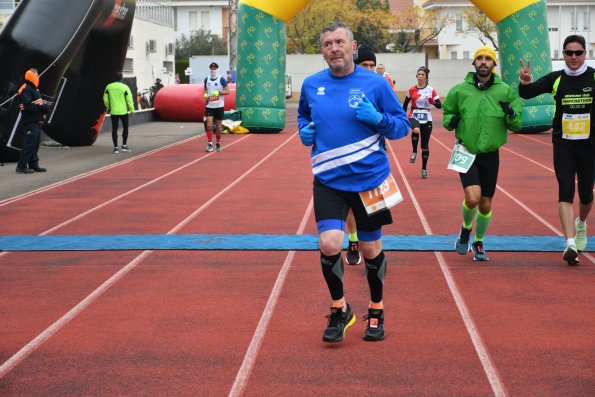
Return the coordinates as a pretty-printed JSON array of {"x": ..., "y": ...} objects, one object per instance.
[
  {"x": 33, "y": 110},
  {"x": 344, "y": 113}
]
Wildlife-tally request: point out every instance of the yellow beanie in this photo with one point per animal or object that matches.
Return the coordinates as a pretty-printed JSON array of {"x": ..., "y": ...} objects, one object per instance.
[{"x": 486, "y": 51}]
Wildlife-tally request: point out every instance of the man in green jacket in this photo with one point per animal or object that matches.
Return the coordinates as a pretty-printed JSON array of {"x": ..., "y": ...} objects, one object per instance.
[
  {"x": 118, "y": 100},
  {"x": 480, "y": 110}
]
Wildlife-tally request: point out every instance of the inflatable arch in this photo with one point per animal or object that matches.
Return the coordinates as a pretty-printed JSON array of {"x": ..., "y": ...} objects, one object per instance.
[
  {"x": 79, "y": 58},
  {"x": 522, "y": 33},
  {"x": 77, "y": 46}
]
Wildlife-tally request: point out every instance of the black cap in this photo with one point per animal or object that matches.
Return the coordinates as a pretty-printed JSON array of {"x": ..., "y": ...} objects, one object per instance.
[
  {"x": 362, "y": 54},
  {"x": 213, "y": 64}
]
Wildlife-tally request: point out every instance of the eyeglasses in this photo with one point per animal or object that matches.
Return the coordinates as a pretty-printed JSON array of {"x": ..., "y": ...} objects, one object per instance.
[{"x": 578, "y": 53}]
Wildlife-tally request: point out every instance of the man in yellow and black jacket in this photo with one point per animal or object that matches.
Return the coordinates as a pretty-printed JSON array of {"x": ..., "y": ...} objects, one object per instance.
[{"x": 33, "y": 110}]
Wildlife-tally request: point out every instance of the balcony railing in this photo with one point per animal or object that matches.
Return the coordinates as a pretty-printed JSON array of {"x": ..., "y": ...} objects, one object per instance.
[
  {"x": 155, "y": 11},
  {"x": 8, "y": 6}
]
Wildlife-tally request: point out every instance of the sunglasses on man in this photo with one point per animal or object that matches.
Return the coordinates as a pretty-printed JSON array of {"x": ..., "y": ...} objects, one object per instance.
[{"x": 578, "y": 53}]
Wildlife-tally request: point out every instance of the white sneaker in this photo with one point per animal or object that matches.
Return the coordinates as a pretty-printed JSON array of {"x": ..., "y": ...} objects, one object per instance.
[
  {"x": 570, "y": 254},
  {"x": 124, "y": 148},
  {"x": 116, "y": 150},
  {"x": 209, "y": 148},
  {"x": 581, "y": 234}
]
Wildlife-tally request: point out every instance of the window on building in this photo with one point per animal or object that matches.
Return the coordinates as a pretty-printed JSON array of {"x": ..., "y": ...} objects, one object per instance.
[
  {"x": 169, "y": 49},
  {"x": 556, "y": 54},
  {"x": 586, "y": 20},
  {"x": 168, "y": 66},
  {"x": 128, "y": 65},
  {"x": 193, "y": 21},
  {"x": 453, "y": 55},
  {"x": 573, "y": 20},
  {"x": 591, "y": 54},
  {"x": 151, "y": 46},
  {"x": 466, "y": 55},
  {"x": 205, "y": 20},
  {"x": 459, "y": 22}
]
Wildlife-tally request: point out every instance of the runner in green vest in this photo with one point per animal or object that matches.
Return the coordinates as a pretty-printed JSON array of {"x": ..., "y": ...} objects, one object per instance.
[{"x": 117, "y": 98}]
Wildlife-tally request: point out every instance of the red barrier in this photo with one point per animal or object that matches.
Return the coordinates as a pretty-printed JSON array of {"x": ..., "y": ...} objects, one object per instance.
[{"x": 185, "y": 102}]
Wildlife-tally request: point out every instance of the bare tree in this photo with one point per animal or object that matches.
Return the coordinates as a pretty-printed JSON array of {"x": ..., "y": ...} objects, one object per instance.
[
  {"x": 481, "y": 27},
  {"x": 416, "y": 27}
]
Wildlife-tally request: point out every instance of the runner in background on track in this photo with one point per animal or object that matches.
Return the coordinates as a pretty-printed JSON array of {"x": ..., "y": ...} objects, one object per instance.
[
  {"x": 365, "y": 58},
  {"x": 421, "y": 96},
  {"x": 215, "y": 86},
  {"x": 480, "y": 110},
  {"x": 573, "y": 89}
]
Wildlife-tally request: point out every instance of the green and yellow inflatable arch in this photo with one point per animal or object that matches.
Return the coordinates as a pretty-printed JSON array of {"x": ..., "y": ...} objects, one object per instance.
[{"x": 522, "y": 34}]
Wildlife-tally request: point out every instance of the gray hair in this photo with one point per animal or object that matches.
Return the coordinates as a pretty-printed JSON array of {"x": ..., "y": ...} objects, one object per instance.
[{"x": 334, "y": 26}]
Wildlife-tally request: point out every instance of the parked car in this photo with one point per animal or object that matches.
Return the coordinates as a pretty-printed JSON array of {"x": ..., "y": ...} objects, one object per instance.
[{"x": 288, "y": 87}]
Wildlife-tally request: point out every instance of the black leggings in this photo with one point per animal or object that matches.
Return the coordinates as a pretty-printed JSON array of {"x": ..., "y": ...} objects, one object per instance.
[
  {"x": 124, "y": 118},
  {"x": 425, "y": 132},
  {"x": 577, "y": 159}
]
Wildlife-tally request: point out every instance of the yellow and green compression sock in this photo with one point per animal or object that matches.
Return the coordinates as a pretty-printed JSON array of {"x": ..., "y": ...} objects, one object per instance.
[
  {"x": 468, "y": 215},
  {"x": 481, "y": 225}
]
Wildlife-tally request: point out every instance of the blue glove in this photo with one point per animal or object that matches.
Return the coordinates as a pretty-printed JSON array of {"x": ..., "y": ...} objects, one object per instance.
[
  {"x": 367, "y": 113},
  {"x": 307, "y": 134}
]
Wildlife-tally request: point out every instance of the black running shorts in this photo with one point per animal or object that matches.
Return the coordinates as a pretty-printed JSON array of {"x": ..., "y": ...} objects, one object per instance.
[
  {"x": 483, "y": 172},
  {"x": 216, "y": 113},
  {"x": 331, "y": 204}
]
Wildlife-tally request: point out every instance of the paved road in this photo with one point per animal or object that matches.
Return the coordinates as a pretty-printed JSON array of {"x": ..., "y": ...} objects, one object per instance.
[{"x": 66, "y": 162}]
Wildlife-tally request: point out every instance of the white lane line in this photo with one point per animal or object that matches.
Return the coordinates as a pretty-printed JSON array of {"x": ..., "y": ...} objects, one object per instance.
[
  {"x": 89, "y": 173},
  {"x": 40, "y": 339},
  {"x": 129, "y": 192},
  {"x": 528, "y": 159},
  {"x": 251, "y": 354},
  {"x": 521, "y": 204},
  {"x": 546, "y": 143},
  {"x": 482, "y": 352}
]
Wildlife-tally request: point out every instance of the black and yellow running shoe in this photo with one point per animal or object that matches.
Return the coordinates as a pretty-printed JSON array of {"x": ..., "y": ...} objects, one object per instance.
[{"x": 338, "y": 322}]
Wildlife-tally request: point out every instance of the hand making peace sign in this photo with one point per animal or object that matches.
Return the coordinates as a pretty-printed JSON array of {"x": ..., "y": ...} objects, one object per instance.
[{"x": 525, "y": 76}]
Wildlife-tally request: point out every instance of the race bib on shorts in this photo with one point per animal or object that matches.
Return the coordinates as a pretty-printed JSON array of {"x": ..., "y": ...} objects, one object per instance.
[
  {"x": 422, "y": 115},
  {"x": 460, "y": 159},
  {"x": 576, "y": 126},
  {"x": 383, "y": 197}
]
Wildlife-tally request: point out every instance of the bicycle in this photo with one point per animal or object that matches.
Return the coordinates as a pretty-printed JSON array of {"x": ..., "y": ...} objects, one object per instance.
[{"x": 143, "y": 99}]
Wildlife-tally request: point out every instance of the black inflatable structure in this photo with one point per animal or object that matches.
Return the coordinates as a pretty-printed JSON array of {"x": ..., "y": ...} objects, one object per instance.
[{"x": 77, "y": 46}]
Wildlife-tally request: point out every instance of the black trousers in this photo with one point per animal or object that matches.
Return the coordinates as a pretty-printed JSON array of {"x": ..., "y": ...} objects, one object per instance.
[{"x": 30, "y": 146}]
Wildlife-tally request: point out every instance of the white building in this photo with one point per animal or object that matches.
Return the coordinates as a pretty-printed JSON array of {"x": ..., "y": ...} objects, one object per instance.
[
  {"x": 193, "y": 15},
  {"x": 565, "y": 17},
  {"x": 151, "y": 48}
]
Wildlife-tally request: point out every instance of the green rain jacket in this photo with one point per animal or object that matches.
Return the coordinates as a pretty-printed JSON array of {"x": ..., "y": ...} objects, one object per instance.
[
  {"x": 483, "y": 125},
  {"x": 118, "y": 98}
]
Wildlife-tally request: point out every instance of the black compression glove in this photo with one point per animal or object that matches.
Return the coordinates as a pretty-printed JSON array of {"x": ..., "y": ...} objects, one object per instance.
[
  {"x": 506, "y": 108},
  {"x": 454, "y": 122}
]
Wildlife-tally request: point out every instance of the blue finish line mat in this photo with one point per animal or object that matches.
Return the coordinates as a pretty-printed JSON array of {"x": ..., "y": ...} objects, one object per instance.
[{"x": 260, "y": 242}]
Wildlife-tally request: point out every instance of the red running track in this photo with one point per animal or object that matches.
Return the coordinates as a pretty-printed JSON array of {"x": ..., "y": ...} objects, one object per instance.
[{"x": 229, "y": 323}]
